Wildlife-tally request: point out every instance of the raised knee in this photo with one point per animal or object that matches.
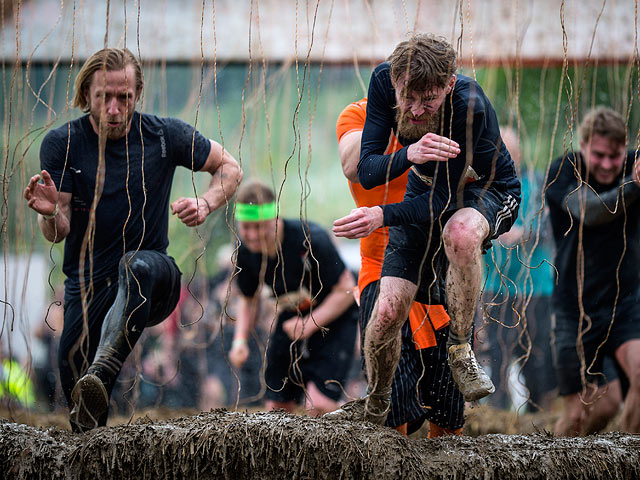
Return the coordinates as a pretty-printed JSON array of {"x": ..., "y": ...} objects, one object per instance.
[
  {"x": 134, "y": 263},
  {"x": 389, "y": 314},
  {"x": 462, "y": 241}
]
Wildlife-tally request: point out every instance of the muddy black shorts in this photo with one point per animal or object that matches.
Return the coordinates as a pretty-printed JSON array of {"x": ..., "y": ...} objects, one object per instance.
[
  {"x": 323, "y": 359},
  {"x": 625, "y": 327},
  {"x": 423, "y": 387},
  {"x": 415, "y": 252}
]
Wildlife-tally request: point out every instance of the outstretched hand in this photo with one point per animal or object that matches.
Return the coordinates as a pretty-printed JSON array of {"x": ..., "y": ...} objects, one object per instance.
[
  {"x": 190, "y": 211},
  {"x": 360, "y": 223},
  {"x": 432, "y": 148},
  {"x": 41, "y": 197}
]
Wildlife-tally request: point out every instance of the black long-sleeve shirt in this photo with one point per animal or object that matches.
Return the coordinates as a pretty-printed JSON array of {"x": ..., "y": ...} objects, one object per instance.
[
  {"x": 609, "y": 237},
  {"x": 469, "y": 120}
]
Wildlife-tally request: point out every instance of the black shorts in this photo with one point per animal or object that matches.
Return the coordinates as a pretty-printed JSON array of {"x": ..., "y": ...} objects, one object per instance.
[
  {"x": 323, "y": 359},
  {"x": 423, "y": 387},
  {"x": 415, "y": 252},
  {"x": 625, "y": 327}
]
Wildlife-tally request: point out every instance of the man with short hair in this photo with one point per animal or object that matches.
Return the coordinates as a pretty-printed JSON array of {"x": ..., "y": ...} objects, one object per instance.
[
  {"x": 422, "y": 387},
  {"x": 106, "y": 182},
  {"x": 462, "y": 192},
  {"x": 593, "y": 198}
]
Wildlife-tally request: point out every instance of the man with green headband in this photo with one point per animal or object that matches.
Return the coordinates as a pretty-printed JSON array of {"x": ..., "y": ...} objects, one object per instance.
[{"x": 314, "y": 334}]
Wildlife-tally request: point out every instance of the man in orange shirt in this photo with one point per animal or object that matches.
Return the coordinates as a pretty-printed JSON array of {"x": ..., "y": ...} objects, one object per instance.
[{"x": 423, "y": 387}]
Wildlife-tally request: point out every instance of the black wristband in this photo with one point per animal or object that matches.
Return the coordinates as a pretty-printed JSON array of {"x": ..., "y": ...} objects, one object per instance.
[{"x": 208, "y": 206}]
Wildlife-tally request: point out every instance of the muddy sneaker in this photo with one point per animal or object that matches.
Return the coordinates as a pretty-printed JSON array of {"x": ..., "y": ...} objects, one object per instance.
[
  {"x": 372, "y": 408},
  {"x": 90, "y": 402},
  {"x": 471, "y": 379}
]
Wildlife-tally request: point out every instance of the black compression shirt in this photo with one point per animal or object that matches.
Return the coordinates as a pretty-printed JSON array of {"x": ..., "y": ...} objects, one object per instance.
[
  {"x": 138, "y": 173},
  {"x": 610, "y": 240},
  {"x": 481, "y": 142}
]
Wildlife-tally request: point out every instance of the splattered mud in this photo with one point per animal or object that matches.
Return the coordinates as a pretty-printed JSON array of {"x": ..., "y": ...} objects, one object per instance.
[{"x": 230, "y": 445}]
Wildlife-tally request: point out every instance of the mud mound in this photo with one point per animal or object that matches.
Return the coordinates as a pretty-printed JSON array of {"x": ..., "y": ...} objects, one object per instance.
[{"x": 231, "y": 445}]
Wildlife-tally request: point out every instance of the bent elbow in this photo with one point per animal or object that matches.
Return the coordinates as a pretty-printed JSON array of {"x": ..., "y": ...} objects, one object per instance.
[{"x": 366, "y": 180}]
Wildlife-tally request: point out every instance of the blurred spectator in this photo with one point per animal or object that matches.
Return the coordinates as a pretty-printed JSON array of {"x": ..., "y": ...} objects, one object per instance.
[
  {"x": 169, "y": 364},
  {"x": 44, "y": 358},
  {"x": 245, "y": 385},
  {"x": 16, "y": 388},
  {"x": 516, "y": 299}
]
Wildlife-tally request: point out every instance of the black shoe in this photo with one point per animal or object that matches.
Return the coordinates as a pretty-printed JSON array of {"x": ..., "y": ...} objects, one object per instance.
[{"x": 91, "y": 402}]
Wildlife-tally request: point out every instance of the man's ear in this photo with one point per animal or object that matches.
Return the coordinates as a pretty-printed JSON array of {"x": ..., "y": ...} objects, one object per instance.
[
  {"x": 452, "y": 82},
  {"x": 583, "y": 145}
]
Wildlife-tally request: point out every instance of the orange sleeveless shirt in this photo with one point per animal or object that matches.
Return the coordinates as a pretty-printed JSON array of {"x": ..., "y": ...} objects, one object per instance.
[{"x": 372, "y": 247}]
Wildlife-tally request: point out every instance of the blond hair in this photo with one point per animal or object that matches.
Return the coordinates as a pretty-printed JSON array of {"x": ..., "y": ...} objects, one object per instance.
[{"x": 110, "y": 59}]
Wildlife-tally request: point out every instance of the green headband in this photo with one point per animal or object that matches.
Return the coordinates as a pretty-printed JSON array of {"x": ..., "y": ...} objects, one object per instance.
[{"x": 246, "y": 212}]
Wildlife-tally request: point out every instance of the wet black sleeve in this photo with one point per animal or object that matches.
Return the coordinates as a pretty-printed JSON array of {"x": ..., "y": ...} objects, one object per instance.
[
  {"x": 604, "y": 207},
  {"x": 424, "y": 208},
  {"x": 375, "y": 168}
]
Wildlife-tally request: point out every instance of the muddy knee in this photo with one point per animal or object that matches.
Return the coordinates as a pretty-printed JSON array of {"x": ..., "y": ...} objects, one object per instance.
[
  {"x": 462, "y": 242},
  {"x": 389, "y": 316}
]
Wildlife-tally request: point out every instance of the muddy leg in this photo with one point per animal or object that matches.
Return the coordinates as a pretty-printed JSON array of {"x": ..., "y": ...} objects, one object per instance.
[
  {"x": 628, "y": 356},
  {"x": 148, "y": 291},
  {"x": 382, "y": 341},
  {"x": 382, "y": 346},
  {"x": 463, "y": 236}
]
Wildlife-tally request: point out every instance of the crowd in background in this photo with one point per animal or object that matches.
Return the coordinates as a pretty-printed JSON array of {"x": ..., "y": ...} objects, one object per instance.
[{"x": 183, "y": 362}]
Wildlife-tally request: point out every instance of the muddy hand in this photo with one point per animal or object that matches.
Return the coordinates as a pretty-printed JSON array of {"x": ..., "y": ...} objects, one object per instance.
[
  {"x": 190, "y": 211},
  {"x": 41, "y": 197},
  {"x": 432, "y": 148},
  {"x": 359, "y": 223}
]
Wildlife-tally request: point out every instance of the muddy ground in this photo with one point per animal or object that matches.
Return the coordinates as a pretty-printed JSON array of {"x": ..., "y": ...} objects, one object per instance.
[{"x": 258, "y": 445}]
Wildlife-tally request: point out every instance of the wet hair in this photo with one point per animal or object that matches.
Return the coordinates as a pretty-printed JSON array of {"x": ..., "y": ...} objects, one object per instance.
[
  {"x": 605, "y": 122},
  {"x": 112, "y": 59},
  {"x": 428, "y": 61},
  {"x": 255, "y": 192}
]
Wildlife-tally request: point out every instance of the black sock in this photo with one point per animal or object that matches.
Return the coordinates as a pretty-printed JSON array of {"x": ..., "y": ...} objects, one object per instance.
[{"x": 458, "y": 339}]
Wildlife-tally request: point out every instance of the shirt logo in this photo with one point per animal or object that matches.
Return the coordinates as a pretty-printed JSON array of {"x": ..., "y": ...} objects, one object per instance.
[{"x": 163, "y": 144}]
